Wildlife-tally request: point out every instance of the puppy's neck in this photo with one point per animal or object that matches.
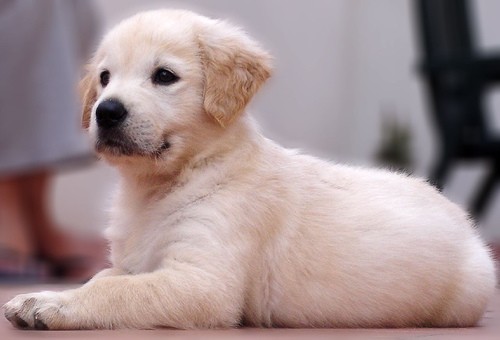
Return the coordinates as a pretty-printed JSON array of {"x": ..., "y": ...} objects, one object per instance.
[{"x": 227, "y": 150}]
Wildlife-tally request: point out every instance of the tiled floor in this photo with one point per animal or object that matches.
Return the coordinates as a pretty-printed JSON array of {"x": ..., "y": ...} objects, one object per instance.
[{"x": 489, "y": 328}]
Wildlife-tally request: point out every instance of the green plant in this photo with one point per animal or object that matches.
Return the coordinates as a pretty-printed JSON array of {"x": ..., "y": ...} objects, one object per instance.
[{"x": 394, "y": 149}]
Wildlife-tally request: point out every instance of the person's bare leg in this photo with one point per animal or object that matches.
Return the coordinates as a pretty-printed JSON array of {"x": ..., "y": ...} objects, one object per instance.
[
  {"x": 54, "y": 244},
  {"x": 47, "y": 234},
  {"x": 16, "y": 239}
]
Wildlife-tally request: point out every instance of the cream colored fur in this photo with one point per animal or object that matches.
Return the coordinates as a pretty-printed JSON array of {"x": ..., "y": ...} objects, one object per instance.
[{"x": 227, "y": 228}]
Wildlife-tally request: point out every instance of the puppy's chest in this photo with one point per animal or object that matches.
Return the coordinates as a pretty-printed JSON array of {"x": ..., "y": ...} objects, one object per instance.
[
  {"x": 140, "y": 237},
  {"x": 142, "y": 232}
]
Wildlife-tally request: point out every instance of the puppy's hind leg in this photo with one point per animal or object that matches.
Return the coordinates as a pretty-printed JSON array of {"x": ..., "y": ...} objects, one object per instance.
[{"x": 472, "y": 290}]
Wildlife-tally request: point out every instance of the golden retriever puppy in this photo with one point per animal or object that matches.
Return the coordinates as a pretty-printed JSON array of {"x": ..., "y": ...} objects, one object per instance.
[{"x": 215, "y": 226}]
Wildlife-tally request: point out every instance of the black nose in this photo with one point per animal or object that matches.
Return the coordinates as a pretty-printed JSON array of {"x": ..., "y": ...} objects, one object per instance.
[{"x": 110, "y": 113}]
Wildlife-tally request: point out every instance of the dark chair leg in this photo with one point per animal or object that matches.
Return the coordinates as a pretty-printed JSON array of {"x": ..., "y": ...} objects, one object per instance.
[
  {"x": 440, "y": 172},
  {"x": 485, "y": 192}
]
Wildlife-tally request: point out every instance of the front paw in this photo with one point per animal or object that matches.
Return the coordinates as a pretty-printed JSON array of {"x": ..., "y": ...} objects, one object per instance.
[{"x": 44, "y": 310}]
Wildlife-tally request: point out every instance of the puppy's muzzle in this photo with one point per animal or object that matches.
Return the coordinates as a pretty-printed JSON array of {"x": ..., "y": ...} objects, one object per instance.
[{"x": 110, "y": 113}]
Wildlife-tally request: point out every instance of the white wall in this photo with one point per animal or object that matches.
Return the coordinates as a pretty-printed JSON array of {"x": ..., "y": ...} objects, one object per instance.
[{"x": 339, "y": 65}]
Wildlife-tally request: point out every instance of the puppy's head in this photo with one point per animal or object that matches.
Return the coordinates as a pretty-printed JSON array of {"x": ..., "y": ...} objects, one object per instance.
[{"x": 164, "y": 83}]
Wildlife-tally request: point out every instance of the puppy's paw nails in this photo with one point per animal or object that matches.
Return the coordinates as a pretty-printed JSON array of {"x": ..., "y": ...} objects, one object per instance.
[
  {"x": 16, "y": 320},
  {"x": 14, "y": 308},
  {"x": 35, "y": 311},
  {"x": 39, "y": 324}
]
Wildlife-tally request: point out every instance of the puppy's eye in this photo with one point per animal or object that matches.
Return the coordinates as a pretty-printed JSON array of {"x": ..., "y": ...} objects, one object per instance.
[
  {"x": 104, "y": 76},
  {"x": 164, "y": 77}
]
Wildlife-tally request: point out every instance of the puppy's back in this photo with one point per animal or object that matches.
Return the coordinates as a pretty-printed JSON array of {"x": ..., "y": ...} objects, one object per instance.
[{"x": 373, "y": 248}]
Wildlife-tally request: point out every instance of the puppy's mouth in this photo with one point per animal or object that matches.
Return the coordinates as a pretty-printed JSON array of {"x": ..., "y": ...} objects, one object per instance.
[
  {"x": 165, "y": 146},
  {"x": 122, "y": 146},
  {"x": 115, "y": 146}
]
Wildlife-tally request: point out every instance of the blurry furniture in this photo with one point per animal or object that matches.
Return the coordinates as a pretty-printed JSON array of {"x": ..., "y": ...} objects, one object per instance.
[{"x": 457, "y": 78}]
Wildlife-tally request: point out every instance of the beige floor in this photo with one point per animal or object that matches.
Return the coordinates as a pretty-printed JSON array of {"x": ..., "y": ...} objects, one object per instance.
[{"x": 489, "y": 328}]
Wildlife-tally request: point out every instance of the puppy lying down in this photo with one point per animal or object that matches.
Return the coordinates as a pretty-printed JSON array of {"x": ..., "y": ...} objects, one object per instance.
[{"x": 214, "y": 225}]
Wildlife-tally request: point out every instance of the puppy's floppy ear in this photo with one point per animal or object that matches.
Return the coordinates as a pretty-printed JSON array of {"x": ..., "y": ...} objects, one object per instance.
[
  {"x": 234, "y": 68},
  {"x": 88, "y": 95}
]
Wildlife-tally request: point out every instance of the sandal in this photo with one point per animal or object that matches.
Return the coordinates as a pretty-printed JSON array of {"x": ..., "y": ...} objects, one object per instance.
[{"x": 16, "y": 268}]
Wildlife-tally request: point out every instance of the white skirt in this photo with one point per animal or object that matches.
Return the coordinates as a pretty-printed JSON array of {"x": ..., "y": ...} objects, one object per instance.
[{"x": 43, "y": 45}]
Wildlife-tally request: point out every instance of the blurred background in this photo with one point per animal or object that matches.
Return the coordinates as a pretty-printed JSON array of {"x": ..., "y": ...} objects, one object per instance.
[{"x": 359, "y": 82}]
